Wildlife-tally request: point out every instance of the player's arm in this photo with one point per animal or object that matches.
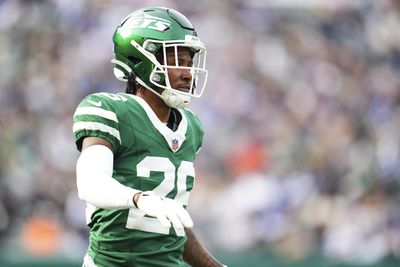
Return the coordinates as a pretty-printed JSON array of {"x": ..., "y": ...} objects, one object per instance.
[
  {"x": 196, "y": 254},
  {"x": 97, "y": 186},
  {"x": 94, "y": 180}
]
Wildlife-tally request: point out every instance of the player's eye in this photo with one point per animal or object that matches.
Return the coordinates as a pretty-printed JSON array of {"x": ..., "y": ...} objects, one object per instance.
[
  {"x": 171, "y": 59},
  {"x": 185, "y": 63}
]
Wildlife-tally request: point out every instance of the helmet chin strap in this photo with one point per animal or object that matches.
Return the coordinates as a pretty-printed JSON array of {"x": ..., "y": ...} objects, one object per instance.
[
  {"x": 171, "y": 99},
  {"x": 175, "y": 100}
]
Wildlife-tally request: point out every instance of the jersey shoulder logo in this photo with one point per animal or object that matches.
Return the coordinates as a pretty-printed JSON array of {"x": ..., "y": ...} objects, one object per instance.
[
  {"x": 147, "y": 22},
  {"x": 95, "y": 103}
]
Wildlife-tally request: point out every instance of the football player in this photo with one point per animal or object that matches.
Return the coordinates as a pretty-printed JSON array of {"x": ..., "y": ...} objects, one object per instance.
[{"x": 137, "y": 148}]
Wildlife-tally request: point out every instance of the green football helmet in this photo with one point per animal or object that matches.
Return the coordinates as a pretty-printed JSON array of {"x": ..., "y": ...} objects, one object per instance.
[{"x": 140, "y": 45}]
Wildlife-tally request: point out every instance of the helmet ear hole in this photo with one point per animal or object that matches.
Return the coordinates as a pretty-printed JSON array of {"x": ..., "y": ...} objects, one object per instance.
[{"x": 134, "y": 60}]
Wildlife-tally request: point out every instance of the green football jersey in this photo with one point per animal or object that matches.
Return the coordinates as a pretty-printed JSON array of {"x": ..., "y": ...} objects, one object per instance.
[{"x": 147, "y": 156}]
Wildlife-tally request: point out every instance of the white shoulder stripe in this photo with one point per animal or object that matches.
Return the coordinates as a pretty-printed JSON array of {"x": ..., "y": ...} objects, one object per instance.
[
  {"x": 96, "y": 111},
  {"x": 88, "y": 261},
  {"x": 81, "y": 125}
]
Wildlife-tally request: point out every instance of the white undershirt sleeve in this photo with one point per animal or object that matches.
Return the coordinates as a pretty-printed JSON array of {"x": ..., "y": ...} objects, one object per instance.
[{"x": 95, "y": 183}]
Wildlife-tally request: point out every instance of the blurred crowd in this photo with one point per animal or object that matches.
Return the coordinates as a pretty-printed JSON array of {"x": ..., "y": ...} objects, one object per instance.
[{"x": 301, "y": 116}]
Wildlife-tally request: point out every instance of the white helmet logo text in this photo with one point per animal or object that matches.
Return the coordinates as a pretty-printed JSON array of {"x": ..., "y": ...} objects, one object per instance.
[{"x": 147, "y": 22}]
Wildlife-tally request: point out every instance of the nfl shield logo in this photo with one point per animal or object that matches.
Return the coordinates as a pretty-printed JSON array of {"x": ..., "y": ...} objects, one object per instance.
[{"x": 175, "y": 144}]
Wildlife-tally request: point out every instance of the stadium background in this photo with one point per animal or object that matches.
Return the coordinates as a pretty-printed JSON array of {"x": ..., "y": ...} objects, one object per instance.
[{"x": 300, "y": 165}]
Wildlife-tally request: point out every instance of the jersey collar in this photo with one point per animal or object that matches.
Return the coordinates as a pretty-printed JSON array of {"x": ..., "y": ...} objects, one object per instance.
[{"x": 174, "y": 138}]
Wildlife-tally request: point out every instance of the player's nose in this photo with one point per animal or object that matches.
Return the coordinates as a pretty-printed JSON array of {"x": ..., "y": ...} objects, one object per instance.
[{"x": 186, "y": 75}]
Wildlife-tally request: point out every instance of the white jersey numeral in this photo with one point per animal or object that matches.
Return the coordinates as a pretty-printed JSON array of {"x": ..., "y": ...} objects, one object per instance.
[{"x": 136, "y": 218}]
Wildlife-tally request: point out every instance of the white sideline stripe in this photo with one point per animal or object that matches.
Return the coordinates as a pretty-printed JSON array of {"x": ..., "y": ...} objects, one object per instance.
[
  {"x": 96, "y": 111},
  {"x": 82, "y": 125}
]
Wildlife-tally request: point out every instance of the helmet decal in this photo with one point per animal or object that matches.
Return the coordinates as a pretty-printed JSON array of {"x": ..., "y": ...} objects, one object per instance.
[{"x": 146, "y": 22}]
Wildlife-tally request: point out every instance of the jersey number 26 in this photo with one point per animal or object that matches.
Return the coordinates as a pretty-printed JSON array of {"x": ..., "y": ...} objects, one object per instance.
[{"x": 136, "y": 218}]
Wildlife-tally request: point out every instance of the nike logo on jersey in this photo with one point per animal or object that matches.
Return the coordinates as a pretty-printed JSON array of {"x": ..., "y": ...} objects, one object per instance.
[{"x": 95, "y": 103}]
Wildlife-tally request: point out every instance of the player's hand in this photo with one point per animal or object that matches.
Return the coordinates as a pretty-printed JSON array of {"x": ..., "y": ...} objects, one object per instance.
[{"x": 166, "y": 210}]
